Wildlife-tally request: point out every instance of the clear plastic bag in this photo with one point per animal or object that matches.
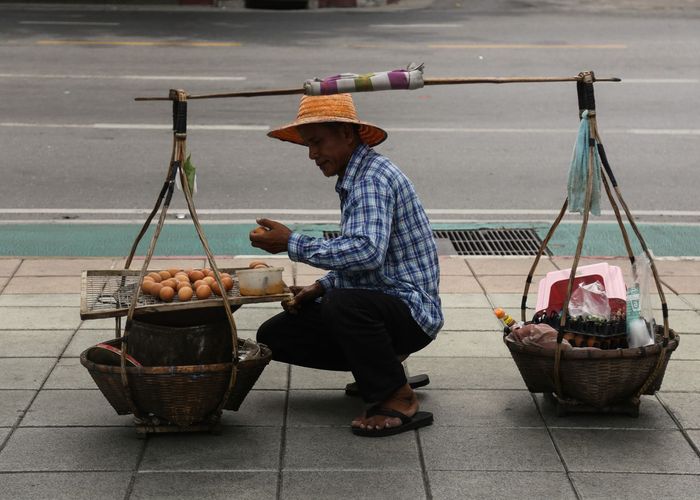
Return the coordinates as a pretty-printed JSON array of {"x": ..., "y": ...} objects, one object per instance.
[
  {"x": 640, "y": 315},
  {"x": 590, "y": 302}
]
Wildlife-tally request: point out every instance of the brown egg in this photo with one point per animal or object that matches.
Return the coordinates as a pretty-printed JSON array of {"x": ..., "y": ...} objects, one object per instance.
[
  {"x": 215, "y": 288},
  {"x": 208, "y": 272},
  {"x": 225, "y": 275},
  {"x": 173, "y": 271},
  {"x": 261, "y": 266},
  {"x": 256, "y": 263},
  {"x": 196, "y": 275},
  {"x": 198, "y": 283},
  {"x": 171, "y": 282},
  {"x": 155, "y": 289},
  {"x": 182, "y": 277},
  {"x": 164, "y": 274},
  {"x": 146, "y": 285},
  {"x": 258, "y": 231},
  {"x": 184, "y": 294},
  {"x": 228, "y": 282},
  {"x": 209, "y": 280},
  {"x": 166, "y": 293},
  {"x": 183, "y": 284},
  {"x": 203, "y": 292},
  {"x": 156, "y": 277}
]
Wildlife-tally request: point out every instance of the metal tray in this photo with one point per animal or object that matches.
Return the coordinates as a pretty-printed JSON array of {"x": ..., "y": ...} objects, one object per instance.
[{"x": 108, "y": 294}]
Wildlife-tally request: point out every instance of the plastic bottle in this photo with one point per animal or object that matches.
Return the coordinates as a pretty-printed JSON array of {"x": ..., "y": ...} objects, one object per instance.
[{"x": 506, "y": 319}]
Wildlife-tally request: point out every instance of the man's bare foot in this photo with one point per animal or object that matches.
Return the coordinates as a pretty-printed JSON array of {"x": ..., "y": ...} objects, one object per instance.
[{"x": 403, "y": 400}]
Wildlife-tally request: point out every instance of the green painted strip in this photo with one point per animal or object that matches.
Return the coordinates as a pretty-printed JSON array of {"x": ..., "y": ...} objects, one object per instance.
[{"x": 96, "y": 240}]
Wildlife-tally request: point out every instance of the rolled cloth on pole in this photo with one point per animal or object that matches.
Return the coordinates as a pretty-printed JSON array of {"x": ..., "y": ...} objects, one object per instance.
[
  {"x": 398, "y": 79},
  {"x": 578, "y": 171}
]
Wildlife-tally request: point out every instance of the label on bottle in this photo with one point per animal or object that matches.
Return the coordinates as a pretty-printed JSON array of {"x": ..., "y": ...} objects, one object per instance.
[{"x": 633, "y": 304}]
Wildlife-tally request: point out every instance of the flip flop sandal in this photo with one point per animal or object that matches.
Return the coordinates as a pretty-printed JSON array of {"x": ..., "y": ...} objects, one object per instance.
[
  {"x": 420, "y": 419},
  {"x": 415, "y": 382}
]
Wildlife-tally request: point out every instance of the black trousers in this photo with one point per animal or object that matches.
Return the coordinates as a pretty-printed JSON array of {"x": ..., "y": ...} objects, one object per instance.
[{"x": 362, "y": 331}]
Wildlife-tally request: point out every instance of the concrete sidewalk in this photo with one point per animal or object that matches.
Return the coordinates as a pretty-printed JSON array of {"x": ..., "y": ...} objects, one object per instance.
[{"x": 59, "y": 438}]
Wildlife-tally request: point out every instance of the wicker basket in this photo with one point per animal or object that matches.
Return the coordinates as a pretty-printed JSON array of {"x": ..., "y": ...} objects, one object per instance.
[
  {"x": 181, "y": 395},
  {"x": 597, "y": 377}
]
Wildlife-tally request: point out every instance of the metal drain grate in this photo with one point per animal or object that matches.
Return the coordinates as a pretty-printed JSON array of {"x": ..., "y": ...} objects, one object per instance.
[{"x": 504, "y": 241}]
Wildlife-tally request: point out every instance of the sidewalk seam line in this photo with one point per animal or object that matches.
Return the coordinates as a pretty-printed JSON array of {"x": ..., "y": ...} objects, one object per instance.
[
  {"x": 283, "y": 436},
  {"x": 684, "y": 433},
  {"x": 423, "y": 468}
]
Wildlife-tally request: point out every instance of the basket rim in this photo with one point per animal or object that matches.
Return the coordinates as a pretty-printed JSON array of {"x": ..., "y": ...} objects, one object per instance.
[
  {"x": 265, "y": 358},
  {"x": 627, "y": 353}
]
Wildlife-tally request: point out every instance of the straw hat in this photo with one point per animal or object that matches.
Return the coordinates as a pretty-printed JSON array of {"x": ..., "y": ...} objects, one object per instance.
[{"x": 324, "y": 109}]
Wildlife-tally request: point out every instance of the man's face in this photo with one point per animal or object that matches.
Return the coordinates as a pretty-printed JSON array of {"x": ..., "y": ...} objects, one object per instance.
[{"x": 329, "y": 146}]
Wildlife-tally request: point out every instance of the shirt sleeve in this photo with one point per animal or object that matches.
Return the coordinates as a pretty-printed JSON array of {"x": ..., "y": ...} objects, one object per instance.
[
  {"x": 367, "y": 218},
  {"x": 328, "y": 281}
]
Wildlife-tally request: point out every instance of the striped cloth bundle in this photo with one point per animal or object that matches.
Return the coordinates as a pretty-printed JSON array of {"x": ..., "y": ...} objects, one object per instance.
[{"x": 398, "y": 79}]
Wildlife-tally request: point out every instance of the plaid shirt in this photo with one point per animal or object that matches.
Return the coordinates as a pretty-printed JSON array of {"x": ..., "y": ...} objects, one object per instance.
[{"x": 386, "y": 242}]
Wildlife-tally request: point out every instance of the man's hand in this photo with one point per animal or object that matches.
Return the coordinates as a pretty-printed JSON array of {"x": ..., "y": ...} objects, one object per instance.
[
  {"x": 274, "y": 240},
  {"x": 302, "y": 295}
]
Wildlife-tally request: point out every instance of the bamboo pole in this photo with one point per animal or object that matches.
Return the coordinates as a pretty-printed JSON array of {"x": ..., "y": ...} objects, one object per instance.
[{"x": 426, "y": 81}]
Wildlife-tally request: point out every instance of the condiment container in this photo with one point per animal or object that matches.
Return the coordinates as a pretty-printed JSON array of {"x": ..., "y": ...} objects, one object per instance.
[{"x": 262, "y": 281}]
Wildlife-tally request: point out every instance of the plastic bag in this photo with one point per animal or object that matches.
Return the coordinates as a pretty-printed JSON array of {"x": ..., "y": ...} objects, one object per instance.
[
  {"x": 590, "y": 302},
  {"x": 538, "y": 334},
  {"x": 640, "y": 316}
]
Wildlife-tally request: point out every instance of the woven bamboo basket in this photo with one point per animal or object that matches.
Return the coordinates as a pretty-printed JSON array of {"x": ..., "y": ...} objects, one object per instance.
[
  {"x": 181, "y": 395},
  {"x": 600, "y": 378}
]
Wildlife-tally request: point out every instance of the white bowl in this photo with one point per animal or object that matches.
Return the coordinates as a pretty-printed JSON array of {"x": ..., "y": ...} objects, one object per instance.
[{"x": 262, "y": 281}]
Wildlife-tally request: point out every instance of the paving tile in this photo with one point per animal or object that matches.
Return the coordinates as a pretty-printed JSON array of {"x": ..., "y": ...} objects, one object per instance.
[
  {"x": 673, "y": 301},
  {"x": 471, "y": 319},
  {"x": 455, "y": 343},
  {"x": 682, "y": 267},
  {"x": 24, "y": 373},
  {"x": 310, "y": 378},
  {"x": 459, "y": 284},
  {"x": 618, "y": 450},
  {"x": 689, "y": 348},
  {"x": 84, "y": 339},
  {"x": 519, "y": 266},
  {"x": 490, "y": 449},
  {"x": 262, "y": 408},
  {"x": 683, "y": 321},
  {"x": 210, "y": 485},
  {"x": 85, "y": 408},
  {"x": 33, "y": 343},
  {"x": 40, "y": 300},
  {"x": 50, "y": 285},
  {"x": 685, "y": 406},
  {"x": 695, "y": 437},
  {"x": 60, "y": 267},
  {"x": 682, "y": 376},
  {"x": 454, "y": 266},
  {"x": 71, "y": 449},
  {"x": 468, "y": 373},
  {"x": 65, "y": 485},
  {"x": 315, "y": 408},
  {"x": 473, "y": 300},
  {"x": 251, "y": 319},
  {"x": 45, "y": 318},
  {"x": 511, "y": 302},
  {"x": 3, "y": 282},
  {"x": 69, "y": 374},
  {"x": 693, "y": 299},
  {"x": 237, "y": 448},
  {"x": 507, "y": 283},
  {"x": 12, "y": 405},
  {"x": 160, "y": 263},
  {"x": 652, "y": 415},
  {"x": 468, "y": 408},
  {"x": 8, "y": 266},
  {"x": 100, "y": 324},
  {"x": 683, "y": 284},
  {"x": 644, "y": 486},
  {"x": 317, "y": 449},
  {"x": 274, "y": 377},
  {"x": 351, "y": 485},
  {"x": 502, "y": 485}
]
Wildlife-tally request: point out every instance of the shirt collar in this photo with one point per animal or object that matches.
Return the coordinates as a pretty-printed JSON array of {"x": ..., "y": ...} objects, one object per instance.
[{"x": 345, "y": 182}]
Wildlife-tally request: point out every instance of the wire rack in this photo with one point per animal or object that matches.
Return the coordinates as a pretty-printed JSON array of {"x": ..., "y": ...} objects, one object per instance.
[{"x": 108, "y": 294}]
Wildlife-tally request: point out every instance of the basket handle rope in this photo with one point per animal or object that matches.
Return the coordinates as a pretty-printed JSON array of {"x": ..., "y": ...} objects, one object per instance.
[
  {"x": 177, "y": 159},
  {"x": 586, "y": 101}
]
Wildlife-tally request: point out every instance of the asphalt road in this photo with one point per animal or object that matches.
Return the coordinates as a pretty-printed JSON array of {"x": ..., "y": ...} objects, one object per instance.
[{"x": 74, "y": 141}]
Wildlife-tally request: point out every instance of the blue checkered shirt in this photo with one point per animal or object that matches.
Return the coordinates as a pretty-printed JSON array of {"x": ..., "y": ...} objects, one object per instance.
[{"x": 386, "y": 242}]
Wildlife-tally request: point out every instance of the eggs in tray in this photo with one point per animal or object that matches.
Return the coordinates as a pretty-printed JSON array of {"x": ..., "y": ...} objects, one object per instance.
[{"x": 200, "y": 283}]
